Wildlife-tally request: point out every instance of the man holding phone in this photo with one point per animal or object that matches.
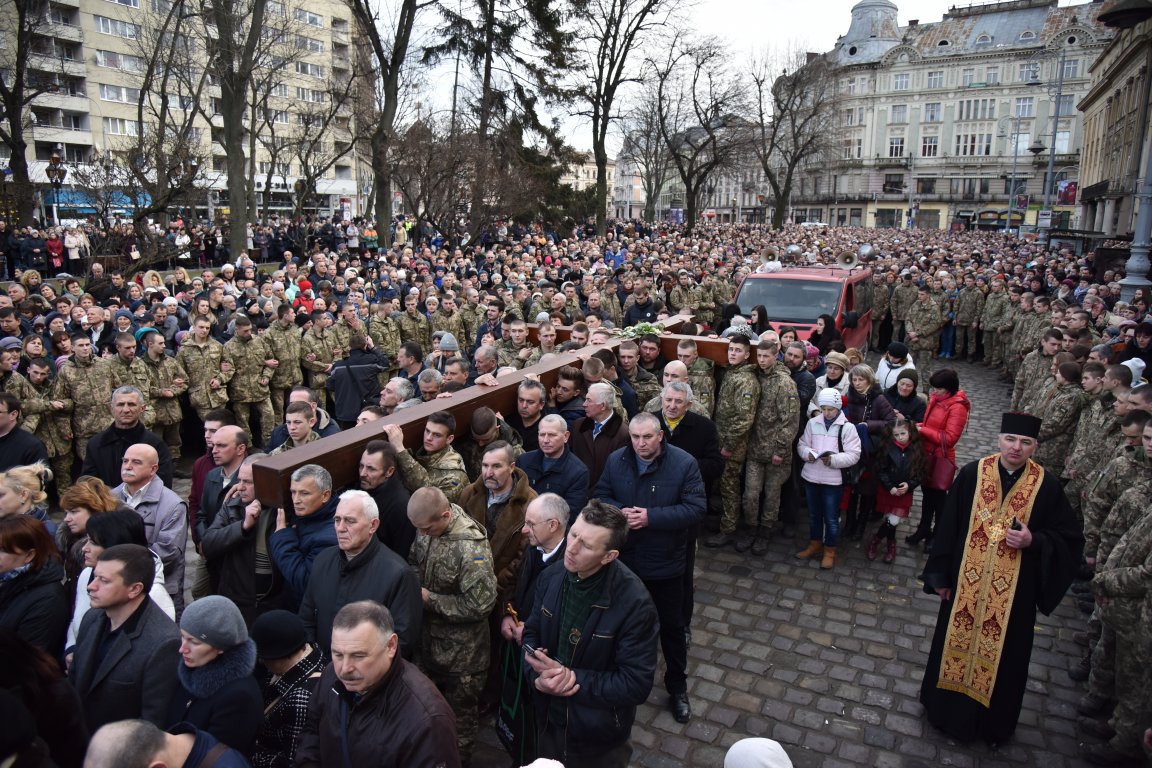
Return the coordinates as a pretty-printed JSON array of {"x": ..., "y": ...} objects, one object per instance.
[{"x": 590, "y": 646}]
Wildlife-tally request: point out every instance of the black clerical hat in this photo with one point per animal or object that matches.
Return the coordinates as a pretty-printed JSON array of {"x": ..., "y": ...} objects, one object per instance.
[{"x": 1023, "y": 424}]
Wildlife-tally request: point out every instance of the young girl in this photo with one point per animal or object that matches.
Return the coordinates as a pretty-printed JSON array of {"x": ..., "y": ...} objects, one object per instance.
[
  {"x": 900, "y": 464},
  {"x": 828, "y": 445}
]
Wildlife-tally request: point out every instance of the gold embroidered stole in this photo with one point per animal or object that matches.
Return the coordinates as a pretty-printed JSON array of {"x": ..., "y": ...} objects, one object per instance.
[{"x": 986, "y": 586}]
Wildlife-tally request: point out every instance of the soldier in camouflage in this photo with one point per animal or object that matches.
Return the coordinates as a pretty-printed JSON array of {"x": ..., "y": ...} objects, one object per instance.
[
  {"x": 1096, "y": 427},
  {"x": 435, "y": 463},
  {"x": 472, "y": 313},
  {"x": 32, "y": 405},
  {"x": 203, "y": 359},
  {"x": 515, "y": 350},
  {"x": 735, "y": 412},
  {"x": 414, "y": 326},
  {"x": 903, "y": 297},
  {"x": 686, "y": 294},
  {"x": 449, "y": 319},
  {"x": 84, "y": 387},
  {"x": 995, "y": 305},
  {"x": 1128, "y": 466},
  {"x": 319, "y": 349},
  {"x": 1060, "y": 410},
  {"x": 166, "y": 382},
  {"x": 701, "y": 375},
  {"x": 54, "y": 428},
  {"x": 922, "y": 324},
  {"x": 969, "y": 309},
  {"x": 348, "y": 325},
  {"x": 881, "y": 306},
  {"x": 1035, "y": 376},
  {"x": 253, "y": 367},
  {"x": 453, "y": 559},
  {"x": 645, "y": 384},
  {"x": 1022, "y": 331},
  {"x": 129, "y": 370},
  {"x": 283, "y": 341},
  {"x": 769, "y": 461}
]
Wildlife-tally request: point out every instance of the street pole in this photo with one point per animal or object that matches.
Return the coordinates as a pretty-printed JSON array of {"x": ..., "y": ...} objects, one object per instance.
[
  {"x": 1049, "y": 174},
  {"x": 1012, "y": 182},
  {"x": 911, "y": 190},
  {"x": 1136, "y": 268}
]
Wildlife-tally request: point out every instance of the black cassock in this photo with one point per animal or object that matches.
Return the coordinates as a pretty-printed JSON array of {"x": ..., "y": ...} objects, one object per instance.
[{"x": 1047, "y": 568}]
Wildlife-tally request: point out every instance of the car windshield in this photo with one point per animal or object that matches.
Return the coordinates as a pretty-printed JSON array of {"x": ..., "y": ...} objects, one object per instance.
[{"x": 790, "y": 301}]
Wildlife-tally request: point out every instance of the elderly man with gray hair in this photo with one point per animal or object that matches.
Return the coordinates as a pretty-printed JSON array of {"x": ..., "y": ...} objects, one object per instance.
[
  {"x": 106, "y": 449},
  {"x": 360, "y": 568},
  {"x": 397, "y": 394},
  {"x": 601, "y": 431},
  {"x": 305, "y": 531}
]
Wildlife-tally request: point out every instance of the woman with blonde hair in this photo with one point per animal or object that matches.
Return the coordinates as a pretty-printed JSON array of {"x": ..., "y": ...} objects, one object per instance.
[
  {"x": 22, "y": 492},
  {"x": 152, "y": 279}
]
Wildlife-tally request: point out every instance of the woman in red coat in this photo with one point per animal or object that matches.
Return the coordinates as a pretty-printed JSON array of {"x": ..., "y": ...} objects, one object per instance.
[{"x": 944, "y": 422}]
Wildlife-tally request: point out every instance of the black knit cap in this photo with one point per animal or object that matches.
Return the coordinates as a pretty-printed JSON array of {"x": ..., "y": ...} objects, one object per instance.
[
  {"x": 278, "y": 634},
  {"x": 1023, "y": 424}
]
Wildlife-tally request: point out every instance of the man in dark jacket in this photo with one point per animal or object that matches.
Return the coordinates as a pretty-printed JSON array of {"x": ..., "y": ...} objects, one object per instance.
[
  {"x": 127, "y": 652},
  {"x": 372, "y": 708},
  {"x": 553, "y": 468},
  {"x": 325, "y": 424},
  {"x": 600, "y": 432},
  {"x": 588, "y": 691},
  {"x": 659, "y": 489},
  {"x": 241, "y": 527},
  {"x": 378, "y": 476},
  {"x": 355, "y": 380},
  {"x": 308, "y": 532},
  {"x": 361, "y": 568},
  {"x": 18, "y": 447},
  {"x": 106, "y": 449}
]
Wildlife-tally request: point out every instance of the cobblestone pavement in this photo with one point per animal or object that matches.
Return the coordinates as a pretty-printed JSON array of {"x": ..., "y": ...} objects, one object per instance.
[{"x": 829, "y": 663}]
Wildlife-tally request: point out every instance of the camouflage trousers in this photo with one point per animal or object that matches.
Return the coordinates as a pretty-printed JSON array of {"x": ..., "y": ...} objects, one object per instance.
[
  {"x": 1120, "y": 673},
  {"x": 243, "y": 413},
  {"x": 767, "y": 478},
  {"x": 993, "y": 348},
  {"x": 730, "y": 495},
  {"x": 1073, "y": 490},
  {"x": 170, "y": 434},
  {"x": 81, "y": 441},
  {"x": 462, "y": 692},
  {"x": 62, "y": 471},
  {"x": 924, "y": 363},
  {"x": 279, "y": 399},
  {"x": 965, "y": 343}
]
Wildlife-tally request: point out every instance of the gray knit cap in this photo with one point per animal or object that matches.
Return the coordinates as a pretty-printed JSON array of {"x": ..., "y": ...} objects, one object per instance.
[{"x": 215, "y": 620}]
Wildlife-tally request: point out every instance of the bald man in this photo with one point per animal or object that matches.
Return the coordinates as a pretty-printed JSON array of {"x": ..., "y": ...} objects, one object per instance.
[
  {"x": 678, "y": 371},
  {"x": 139, "y": 742},
  {"x": 165, "y": 514}
]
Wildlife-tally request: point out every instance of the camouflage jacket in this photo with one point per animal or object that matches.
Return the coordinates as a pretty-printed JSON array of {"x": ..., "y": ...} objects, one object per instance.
[
  {"x": 453, "y": 324},
  {"x": 1008, "y": 319},
  {"x": 54, "y": 427},
  {"x": 134, "y": 374},
  {"x": 646, "y": 385},
  {"x": 969, "y": 305},
  {"x": 288, "y": 445},
  {"x": 924, "y": 320},
  {"x": 736, "y": 408},
  {"x": 247, "y": 358},
  {"x": 1060, "y": 409},
  {"x": 723, "y": 291},
  {"x": 881, "y": 302},
  {"x": 32, "y": 403},
  {"x": 322, "y": 345},
  {"x": 456, "y": 569},
  {"x": 1032, "y": 380},
  {"x": 471, "y": 452},
  {"x": 702, "y": 379},
  {"x": 680, "y": 297},
  {"x": 202, "y": 363},
  {"x": 776, "y": 415},
  {"x": 443, "y": 469},
  {"x": 1124, "y": 517},
  {"x": 164, "y": 374},
  {"x": 416, "y": 329},
  {"x": 1128, "y": 468},
  {"x": 86, "y": 391},
  {"x": 508, "y": 354},
  {"x": 284, "y": 345},
  {"x": 1097, "y": 426},
  {"x": 902, "y": 300},
  {"x": 1126, "y": 576},
  {"x": 995, "y": 304},
  {"x": 472, "y": 318},
  {"x": 343, "y": 333},
  {"x": 385, "y": 333}
]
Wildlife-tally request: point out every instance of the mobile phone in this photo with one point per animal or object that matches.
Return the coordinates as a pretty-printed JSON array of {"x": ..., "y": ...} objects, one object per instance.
[
  {"x": 529, "y": 649},
  {"x": 1016, "y": 525}
]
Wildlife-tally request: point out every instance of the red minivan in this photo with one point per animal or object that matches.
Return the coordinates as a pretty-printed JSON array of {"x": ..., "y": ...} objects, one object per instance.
[{"x": 796, "y": 296}]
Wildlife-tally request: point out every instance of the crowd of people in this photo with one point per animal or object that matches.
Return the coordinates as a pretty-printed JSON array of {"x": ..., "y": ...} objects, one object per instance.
[{"x": 423, "y": 599}]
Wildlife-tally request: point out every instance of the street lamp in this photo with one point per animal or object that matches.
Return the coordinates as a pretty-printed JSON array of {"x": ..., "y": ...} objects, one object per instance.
[
  {"x": 56, "y": 173},
  {"x": 1015, "y": 154},
  {"x": 1048, "y": 175}
]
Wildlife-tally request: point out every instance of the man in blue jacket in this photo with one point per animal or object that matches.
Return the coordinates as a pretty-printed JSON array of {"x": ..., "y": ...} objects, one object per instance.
[
  {"x": 554, "y": 468},
  {"x": 299, "y": 538},
  {"x": 659, "y": 489},
  {"x": 590, "y": 646}
]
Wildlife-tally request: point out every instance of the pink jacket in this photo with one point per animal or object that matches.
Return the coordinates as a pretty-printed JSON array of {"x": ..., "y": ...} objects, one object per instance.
[{"x": 817, "y": 439}]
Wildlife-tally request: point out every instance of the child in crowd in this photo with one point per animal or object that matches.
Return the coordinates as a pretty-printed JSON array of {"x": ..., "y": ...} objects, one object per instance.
[{"x": 899, "y": 464}]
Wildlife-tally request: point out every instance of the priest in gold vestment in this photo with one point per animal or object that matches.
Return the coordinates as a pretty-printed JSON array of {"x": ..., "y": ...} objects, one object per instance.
[{"x": 1008, "y": 544}]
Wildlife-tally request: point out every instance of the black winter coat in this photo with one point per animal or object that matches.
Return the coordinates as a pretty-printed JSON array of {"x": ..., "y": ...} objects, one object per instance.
[
  {"x": 222, "y": 697},
  {"x": 106, "y": 452},
  {"x": 231, "y": 553},
  {"x": 34, "y": 605},
  {"x": 355, "y": 382},
  {"x": 568, "y": 478}
]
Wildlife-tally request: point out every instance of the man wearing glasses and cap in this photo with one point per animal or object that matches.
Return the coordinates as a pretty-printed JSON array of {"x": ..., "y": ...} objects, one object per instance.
[{"x": 1008, "y": 544}]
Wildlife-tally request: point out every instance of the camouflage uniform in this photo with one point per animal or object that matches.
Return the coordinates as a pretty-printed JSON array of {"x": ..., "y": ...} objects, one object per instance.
[
  {"x": 284, "y": 345},
  {"x": 1120, "y": 658},
  {"x": 1127, "y": 468},
  {"x": 680, "y": 297},
  {"x": 322, "y": 345},
  {"x": 472, "y": 317},
  {"x": 1008, "y": 322},
  {"x": 416, "y": 328},
  {"x": 343, "y": 333},
  {"x": 995, "y": 306},
  {"x": 450, "y": 323},
  {"x": 923, "y": 319},
  {"x": 443, "y": 469},
  {"x": 202, "y": 363},
  {"x": 162, "y": 374},
  {"x": 288, "y": 445},
  {"x": 723, "y": 290},
  {"x": 508, "y": 354},
  {"x": 471, "y": 452},
  {"x": 385, "y": 333},
  {"x": 32, "y": 403},
  {"x": 86, "y": 389},
  {"x": 1061, "y": 409},
  {"x": 645, "y": 384},
  {"x": 248, "y": 387},
  {"x": 903, "y": 297},
  {"x": 1097, "y": 426},
  {"x": 54, "y": 428},
  {"x": 772, "y": 431},
  {"x": 735, "y": 413},
  {"x": 881, "y": 304},
  {"x": 456, "y": 569},
  {"x": 135, "y": 374},
  {"x": 1032, "y": 380},
  {"x": 706, "y": 309},
  {"x": 610, "y": 302},
  {"x": 702, "y": 379},
  {"x": 969, "y": 308}
]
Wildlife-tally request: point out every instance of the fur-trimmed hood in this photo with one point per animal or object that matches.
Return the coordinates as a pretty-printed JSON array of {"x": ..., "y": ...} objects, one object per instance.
[{"x": 203, "y": 682}]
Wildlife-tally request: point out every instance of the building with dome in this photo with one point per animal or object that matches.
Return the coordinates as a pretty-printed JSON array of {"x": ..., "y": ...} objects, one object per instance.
[{"x": 954, "y": 123}]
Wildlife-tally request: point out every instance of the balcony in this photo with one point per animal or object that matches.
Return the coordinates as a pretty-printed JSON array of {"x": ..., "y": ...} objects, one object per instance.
[
  {"x": 41, "y": 63},
  {"x": 59, "y": 134},
  {"x": 62, "y": 31},
  {"x": 891, "y": 162},
  {"x": 68, "y": 3},
  {"x": 62, "y": 100}
]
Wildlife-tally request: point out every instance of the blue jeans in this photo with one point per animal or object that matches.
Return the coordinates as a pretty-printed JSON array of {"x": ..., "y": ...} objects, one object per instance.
[
  {"x": 947, "y": 339},
  {"x": 824, "y": 512}
]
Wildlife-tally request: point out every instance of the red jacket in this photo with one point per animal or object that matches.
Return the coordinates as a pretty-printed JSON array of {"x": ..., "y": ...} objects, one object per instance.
[{"x": 944, "y": 421}]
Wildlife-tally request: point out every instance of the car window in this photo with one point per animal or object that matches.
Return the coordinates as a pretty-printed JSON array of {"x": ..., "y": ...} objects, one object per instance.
[{"x": 790, "y": 301}]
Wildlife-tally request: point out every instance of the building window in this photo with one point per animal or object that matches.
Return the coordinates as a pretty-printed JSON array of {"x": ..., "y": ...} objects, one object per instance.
[
  {"x": 850, "y": 86},
  {"x": 925, "y": 186},
  {"x": 281, "y": 90},
  {"x": 117, "y": 28},
  {"x": 899, "y": 113},
  {"x": 973, "y": 144},
  {"x": 1029, "y": 71},
  {"x": 1063, "y": 142},
  {"x": 119, "y": 93},
  {"x": 849, "y": 117},
  {"x": 310, "y": 69},
  {"x": 896, "y": 146},
  {"x": 309, "y": 18},
  {"x": 984, "y": 40},
  {"x": 314, "y": 95},
  {"x": 1027, "y": 35},
  {"x": 932, "y": 112},
  {"x": 929, "y": 146},
  {"x": 992, "y": 75},
  {"x": 853, "y": 148},
  {"x": 129, "y": 3},
  {"x": 115, "y": 126},
  {"x": 1066, "y": 104},
  {"x": 976, "y": 109},
  {"x": 1071, "y": 69},
  {"x": 936, "y": 79},
  {"x": 123, "y": 61},
  {"x": 967, "y": 76},
  {"x": 310, "y": 44},
  {"x": 893, "y": 182},
  {"x": 900, "y": 82},
  {"x": 1023, "y": 141}
]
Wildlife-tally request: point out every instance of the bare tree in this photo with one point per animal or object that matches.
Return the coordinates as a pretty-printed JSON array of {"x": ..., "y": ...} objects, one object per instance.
[
  {"x": 313, "y": 146},
  {"x": 432, "y": 170},
  {"x": 31, "y": 62},
  {"x": 643, "y": 148},
  {"x": 698, "y": 104},
  {"x": 613, "y": 33},
  {"x": 105, "y": 180},
  {"x": 795, "y": 105}
]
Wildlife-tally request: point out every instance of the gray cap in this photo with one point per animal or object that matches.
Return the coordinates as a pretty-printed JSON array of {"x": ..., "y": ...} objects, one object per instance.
[{"x": 215, "y": 620}]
